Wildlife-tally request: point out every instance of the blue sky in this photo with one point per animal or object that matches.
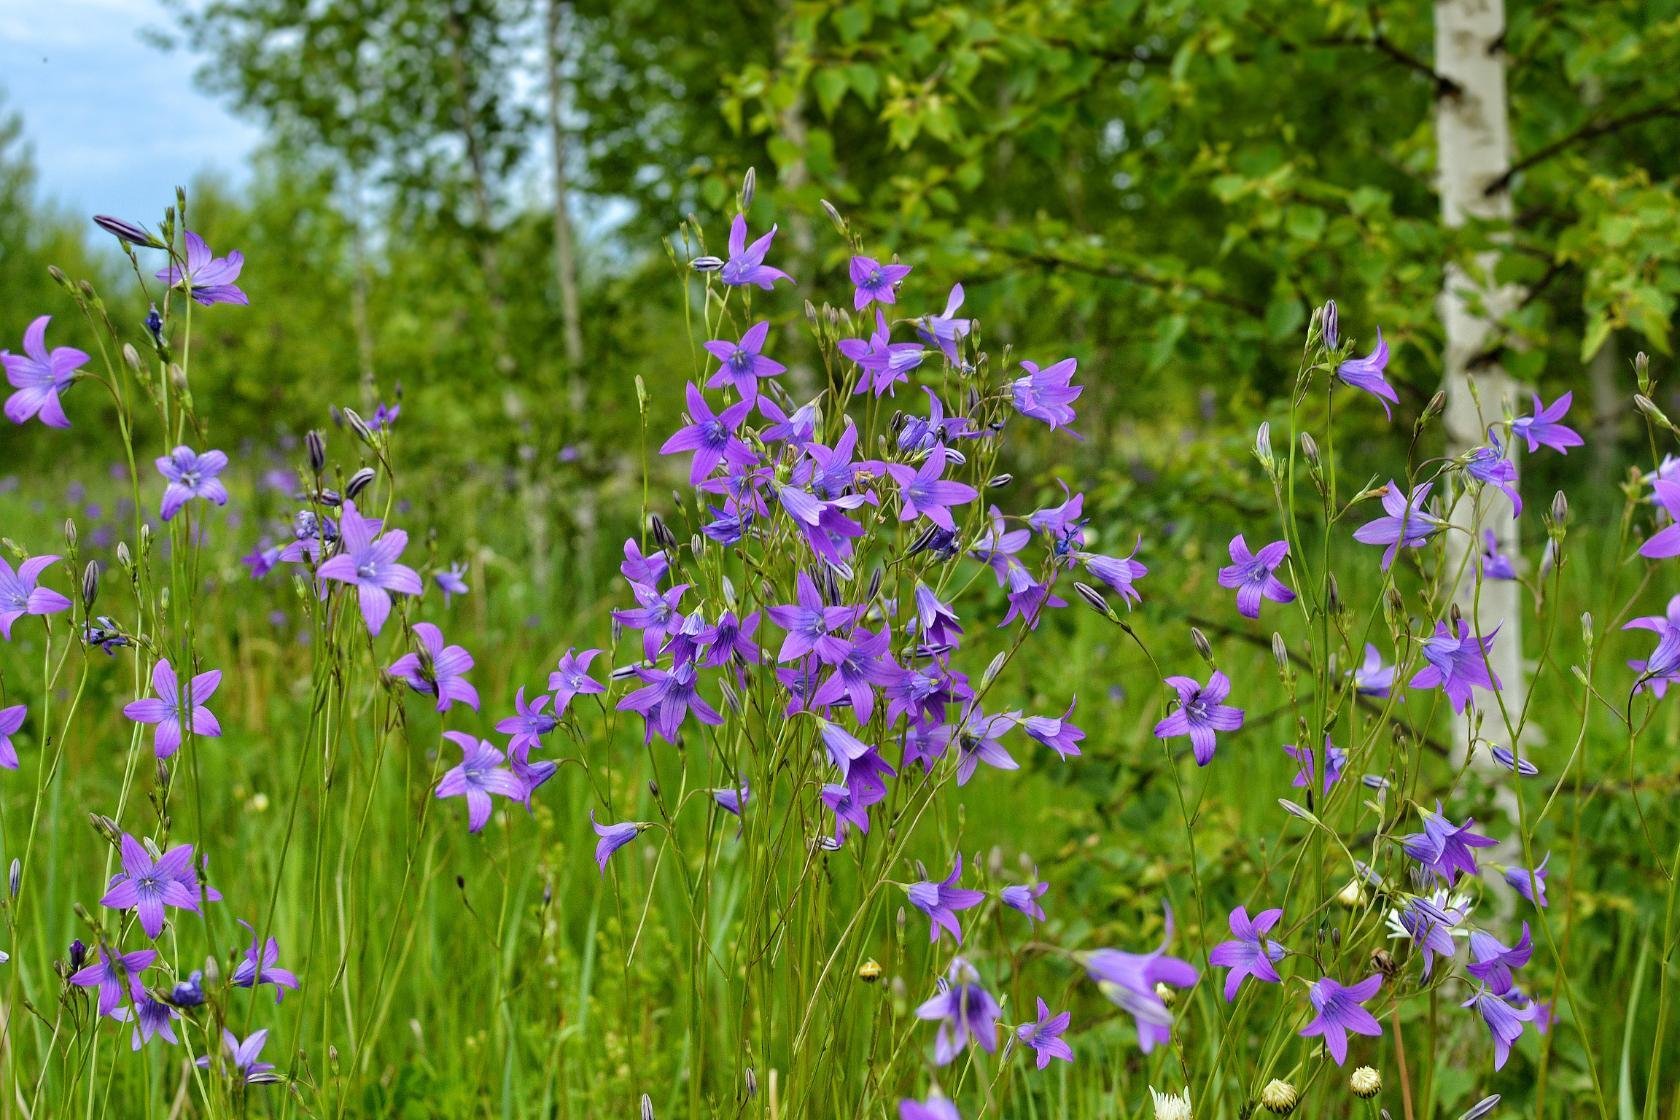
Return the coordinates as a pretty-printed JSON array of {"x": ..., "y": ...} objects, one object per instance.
[{"x": 114, "y": 122}]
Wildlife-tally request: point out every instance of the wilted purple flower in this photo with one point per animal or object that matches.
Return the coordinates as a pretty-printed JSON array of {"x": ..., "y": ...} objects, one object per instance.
[
  {"x": 369, "y": 563},
  {"x": 571, "y": 678},
  {"x": 613, "y": 837},
  {"x": 1338, "y": 1011},
  {"x": 436, "y": 669},
  {"x": 1335, "y": 758},
  {"x": 1120, "y": 573},
  {"x": 1533, "y": 889},
  {"x": 934, "y": 1108},
  {"x": 1130, "y": 981},
  {"x": 1665, "y": 542},
  {"x": 1495, "y": 564},
  {"x": 109, "y": 973},
  {"x": 1489, "y": 465},
  {"x": 1047, "y": 394},
  {"x": 746, "y": 262},
  {"x": 1491, "y": 962},
  {"x": 945, "y": 330},
  {"x": 152, "y": 1018},
  {"x": 1249, "y": 952},
  {"x": 1407, "y": 524},
  {"x": 875, "y": 282},
  {"x": 478, "y": 775},
  {"x": 1504, "y": 1022},
  {"x": 1366, "y": 375},
  {"x": 1253, "y": 576},
  {"x": 1457, "y": 663},
  {"x": 243, "y": 1057},
  {"x": 710, "y": 436},
  {"x": 259, "y": 967},
  {"x": 743, "y": 363},
  {"x": 1045, "y": 1035},
  {"x": 1201, "y": 712},
  {"x": 940, "y": 901},
  {"x": 1545, "y": 426},
  {"x": 164, "y": 709},
  {"x": 208, "y": 279},
  {"x": 452, "y": 581},
  {"x": 528, "y": 724},
  {"x": 1372, "y": 677},
  {"x": 965, "y": 1012},
  {"x": 1429, "y": 923},
  {"x": 147, "y": 886},
  {"x": 665, "y": 698},
  {"x": 19, "y": 594},
  {"x": 882, "y": 362},
  {"x": 11, "y": 719},
  {"x": 812, "y": 625},
  {"x": 39, "y": 376},
  {"x": 191, "y": 475},
  {"x": 1445, "y": 848},
  {"x": 1024, "y": 896}
]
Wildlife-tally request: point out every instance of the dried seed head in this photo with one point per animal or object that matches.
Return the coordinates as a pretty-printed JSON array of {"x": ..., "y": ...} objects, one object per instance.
[
  {"x": 1384, "y": 963},
  {"x": 869, "y": 971},
  {"x": 1278, "y": 1097},
  {"x": 1365, "y": 1082}
]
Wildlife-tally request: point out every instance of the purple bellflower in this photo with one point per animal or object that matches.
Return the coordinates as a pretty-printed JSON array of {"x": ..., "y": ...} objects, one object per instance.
[
  {"x": 528, "y": 724},
  {"x": 164, "y": 709},
  {"x": 258, "y": 967},
  {"x": 1056, "y": 732},
  {"x": 875, "y": 282},
  {"x": 436, "y": 669},
  {"x": 1372, "y": 677},
  {"x": 1407, "y": 523},
  {"x": 191, "y": 475},
  {"x": 1457, "y": 664},
  {"x": 1253, "y": 575},
  {"x": 746, "y": 262},
  {"x": 11, "y": 720},
  {"x": 925, "y": 494},
  {"x": 964, "y": 1011},
  {"x": 742, "y": 364},
  {"x": 1665, "y": 542},
  {"x": 1504, "y": 1022},
  {"x": 1546, "y": 426},
  {"x": 478, "y": 775},
  {"x": 1337, "y": 1012},
  {"x": 20, "y": 595},
  {"x": 1366, "y": 375},
  {"x": 452, "y": 581},
  {"x": 1249, "y": 952},
  {"x": 710, "y": 436},
  {"x": 208, "y": 279},
  {"x": 39, "y": 375},
  {"x": 934, "y": 1108},
  {"x": 1047, "y": 394},
  {"x": 110, "y": 973},
  {"x": 665, "y": 699},
  {"x": 1443, "y": 848},
  {"x": 1491, "y": 961},
  {"x": 1429, "y": 923},
  {"x": 1024, "y": 897},
  {"x": 946, "y": 330},
  {"x": 613, "y": 837},
  {"x": 152, "y": 1018},
  {"x": 571, "y": 679},
  {"x": 369, "y": 563},
  {"x": 1489, "y": 466},
  {"x": 147, "y": 886},
  {"x": 1532, "y": 887},
  {"x": 940, "y": 901},
  {"x": 1045, "y": 1035},
  {"x": 882, "y": 363},
  {"x": 1335, "y": 758},
  {"x": 811, "y": 625},
  {"x": 1495, "y": 564},
  {"x": 1202, "y": 711},
  {"x": 243, "y": 1057},
  {"x": 1131, "y": 980}
]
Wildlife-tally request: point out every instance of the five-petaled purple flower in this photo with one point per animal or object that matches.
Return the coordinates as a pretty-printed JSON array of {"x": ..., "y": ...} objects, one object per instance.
[
  {"x": 11, "y": 719},
  {"x": 452, "y": 581},
  {"x": 1337, "y": 1011},
  {"x": 666, "y": 698},
  {"x": 746, "y": 262},
  {"x": 1504, "y": 1022},
  {"x": 368, "y": 562},
  {"x": 1366, "y": 375},
  {"x": 964, "y": 1011},
  {"x": 1444, "y": 848},
  {"x": 1047, "y": 394},
  {"x": 1045, "y": 1035},
  {"x": 164, "y": 709},
  {"x": 208, "y": 279},
  {"x": 191, "y": 475},
  {"x": 1253, "y": 576},
  {"x": 1201, "y": 712},
  {"x": 1372, "y": 677},
  {"x": 19, "y": 594},
  {"x": 875, "y": 282},
  {"x": 1545, "y": 426},
  {"x": 479, "y": 775},
  {"x": 1457, "y": 663},
  {"x": 946, "y": 330},
  {"x": 1407, "y": 523},
  {"x": 613, "y": 837},
  {"x": 436, "y": 669},
  {"x": 940, "y": 901},
  {"x": 528, "y": 724},
  {"x": 1249, "y": 952},
  {"x": 147, "y": 886},
  {"x": 1491, "y": 961},
  {"x": 39, "y": 375},
  {"x": 742, "y": 364},
  {"x": 710, "y": 436},
  {"x": 1531, "y": 887},
  {"x": 1132, "y": 982},
  {"x": 1490, "y": 466},
  {"x": 1024, "y": 896},
  {"x": 882, "y": 362},
  {"x": 571, "y": 679},
  {"x": 243, "y": 1057},
  {"x": 1665, "y": 542},
  {"x": 258, "y": 967},
  {"x": 111, "y": 972},
  {"x": 923, "y": 493}
]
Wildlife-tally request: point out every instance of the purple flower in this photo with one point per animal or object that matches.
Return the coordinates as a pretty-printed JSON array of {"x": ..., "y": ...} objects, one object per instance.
[
  {"x": 1252, "y": 575},
  {"x": 742, "y": 363},
  {"x": 39, "y": 376},
  {"x": 746, "y": 262},
  {"x": 665, "y": 699},
  {"x": 1407, "y": 524},
  {"x": 1056, "y": 732},
  {"x": 940, "y": 902},
  {"x": 1504, "y": 1022},
  {"x": 1490, "y": 466},
  {"x": 731, "y": 798},
  {"x": 1532, "y": 888},
  {"x": 1201, "y": 712},
  {"x": 1366, "y": 375},
  {"x": 934, "y": 1108},
  {"x": 655, "y": 615},
  {"x": 883, "y": 362},
  {"x": 1665, "y": 542},
  {"x": 1507, "y": 758},
  {"x": 866, "y": 665},
  {"x": 924, "y": 494},
  {"x": 646, "y": 570},
  {"x": 1130, "y": 981},
  {"x": 436, "y": 669},
  {"x": 1045, "y": 1035},
  {"x": 1338, "y": 1011},
  {"x": 1120, "y": 573},
  {"x": 1249, "y": 952},
  {"x": 1335, "y": 758},
  {"x": 936, "y": 622},
  {"x": 571, "y": 678},
  {"x": 478, "y": 775},
  {"x": 11, "y": 719},
  {"x": 876, "y": 282},
  {"x": 964, "y": 1011},
  {"x": 851, "y": 806},
  {"x": 243, "y": 1057},
  {"x": 384, "y": 416},
  {"x": 259, "y": 967},
  {"x": 164, "y": 709},
  {"x": 710, "y": 436},
  {"x": 1444, "y": 848},
  {"x": 1024, "y": 897},
  {"x": 1491, "y": 962},
  {"x": 1429, "y": 923},
  {"x": 152, "y": 1017},
  {"x": 452, "y": 581},
  {"x": 19, "y": 594},
  {"x": 1457, "y": 663},
  {"x": 811, "y": 624},
  {"x": 528, "y": 724},
  {"x": 945, "y": 331},
  {"x": 978, "y": 740},
  {"x": 1373, "y": 678},
  {"x": 1495, "y": 564},
  {"x": 191, "y": 475},
  {"x": 1047, "y": 394},
  {"x": 613, "y": 837},
  {"x": 369, "y": 563},
  {"x": 147, "y": 886},
  {"x": 109, "y": 973},
  {"x": 208, "y": 279},
  {"x": 1545, "y": 427}
]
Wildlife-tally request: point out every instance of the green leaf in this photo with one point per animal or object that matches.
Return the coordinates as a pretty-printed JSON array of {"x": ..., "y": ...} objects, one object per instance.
[
  {"x": 852, "y": 22},
  {"x": 865, "y": 80},
  {"x": 831, "y": 89}
]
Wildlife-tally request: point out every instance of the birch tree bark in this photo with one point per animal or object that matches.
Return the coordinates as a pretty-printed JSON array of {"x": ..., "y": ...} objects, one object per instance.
[{"x": 1473, "y": 156}]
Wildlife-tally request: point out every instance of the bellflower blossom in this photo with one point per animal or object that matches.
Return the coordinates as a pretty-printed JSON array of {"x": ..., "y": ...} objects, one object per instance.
[
  {"x": 1532, "y": 888},
  {"x": 811, "y": 624},
  {"x": 1504, "y": 1022},
  {"x": 1047, "y": 394},
  {"x": 478, "y": 775},
  {"x": 570, "y": 679},
  {"x": 924, "y": 493},
  {"x": 1201, "y": 712},
  {"x": 1407, "y": 523},
  {"x": 1373, "y": 678},
  {"x": 940, "y": 901},
  {"x": 1132, "y": 981},
  {"x": 1045, "y": 1035},
  {"x": 20, "y": 595},
  {"x": 1429, "y": 923},
  {"x": 612, "y": 837},
  {"x": 11, "y": 720},
  {"x": 1335, "y": 758},
  {"x": 164, "y": 709},
  {"x": 369, "y": 563},
  {"x": 1249, "y": 952},
  {"x": 207, "y": 278},
  {"x": 1024, "y": 897},
  {"x": 147, "y": 886},
  {"x": 152, "y": 1017},
  {"x": 655, "y": 615},
  {"x": 1120, "y": 573},
  {"x": 1444, "y": 848},
  {"x": 436, "y": 669},
  {"x": 1253, "y": 575},
  {"x": 742, "y": 364},
  {"x": 964, "y": 1011},
  {"x": 978, "y": 740},
  {"x": 112, "y": 973},
  {"x": 452, "y": 581},
  {"x": 746, "y": 262},
  {"x": 665, "y": 699},
  {"x": 243, "y": 1057},
  {"x": 1491, "y": 961},
  {"x": 1457, "y": 663},
  {"x": 258, "y": 967},
  {"x": 875, "y": 282},
  {"x": 1488, "y": 465},
  {"x": 1056, "y": 732},
  {"x": 1545, "y": 426},
  {"x": 934, "y": 1108},
  {"x": 882, "y": 363},
  {"x": 1495, "y": 564},
  {"x": 528, "y": 724},
  {"x": 191, "y": 475},
  {"x": 39, "y": 375},
  {"x": 1337, "y": 1012},
  {"x": 1665, "y": 542},
  {"x": 710, "y": 436},
  {"x": 1366, "y": 375},
  {"x": 946, "y": 330}
]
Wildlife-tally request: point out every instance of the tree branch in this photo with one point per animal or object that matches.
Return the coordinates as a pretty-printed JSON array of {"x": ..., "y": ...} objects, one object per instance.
[
  {"x": 1116, "y": 272},
  {"x": 1592, "y": 130}
]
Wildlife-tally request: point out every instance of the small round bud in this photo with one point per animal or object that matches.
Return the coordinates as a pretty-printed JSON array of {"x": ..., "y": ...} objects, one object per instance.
[
  {"x": 752, "y": 1082},
  {"x": 90, "y": 584},
  {"x": 359, "y": 481},
  {"x": 1278, "y": 1097},
  {"x": 1560, "y": 508},
  {"x": 869, "y": 971},
  {"x": 1365, "y": 1082}
]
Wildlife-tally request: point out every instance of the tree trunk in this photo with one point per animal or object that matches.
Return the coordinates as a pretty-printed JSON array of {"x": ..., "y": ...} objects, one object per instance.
[
  {"x": 565, "y": 251},
  {"x": 1473, "y": 138}
]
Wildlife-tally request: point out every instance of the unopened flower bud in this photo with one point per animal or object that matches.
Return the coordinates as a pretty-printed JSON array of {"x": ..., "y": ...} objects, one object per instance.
[
  {"x": 647, "y": 1107},
  {"x": 1648, "y": 408},
  {"x": 1560, "y": 509},
  {"x": 749, "y": 187},
  {"x": 130, "y": 232},
  {"x": 1280, "y": 652},
  {"x": 1278, "y": 1097},
  {"x": 1330, "y": 326},
  {"x": 706, "y": 264},
  {"x": 1587, "y": 629},
  {"x": 359, "y": 426},
  {"x": 1642, "y": 371},
  {"x": 14, "y": 876},
  {"x": 1365, "y": 1082},
  {"x": 131, "y": 357},
  {"x": 1094, "y": 599},
  {"x": 834, "y": 218},
  {"x": 1481, "y": 1108},
  {"x": 1263, "y": 446},
  {"x": 752, "y": 1082},
  {"x": 359, "y": 481},
  {"x": 662, "y": 532},
  {"x": 1203, "y": 646},
  {"x": 317, "y": 451},
  {"x": 90, "y": 584},
  {"x": 998, "y": 482},
  {"x": 106, "y": 827},
  {"x": 1309, "y": 448}
]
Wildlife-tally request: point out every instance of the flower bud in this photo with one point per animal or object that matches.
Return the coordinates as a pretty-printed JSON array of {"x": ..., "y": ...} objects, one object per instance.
[
  {"x": 359, "y": 481},
  {"x": 647, "y": 1101},
  {"x": 70, "y": 534},
  {"x": 1278, "y": 1097},
  {"x": 90, "y": 584},
  {"x": 1094, "y": 599},
  {"x": 1203, "y": 646},
  {"x": 1309, "y": 448},
  {"x": 1642, "y": 371},
  {"x": 749, "y": 187},
  {"x": 1263, "y": 446},
  {"x": 14, "y": 876},
  {"x": 662, "y": 533},
  {"x": 1481, "y": 1108},
  {"x": 1651, "y": 412},
  {"x": 127, "y": 231},
  {"x": 1365, "y": 1082},
  {"x": 359, "y": 426},
  {"x": 706, "y": 264},
  {"x": 1560, "y": 509},
  {"x": 998, "y": 482},
  {"x": 131, "y": 357},
  {"x": 317, "y": 451},
  {"x": 835, "y": 219},
  {"x": 752, "y": 1082},
  {"x": 1330, "y": 326},
  {"x": 1587, "y": 630}
]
